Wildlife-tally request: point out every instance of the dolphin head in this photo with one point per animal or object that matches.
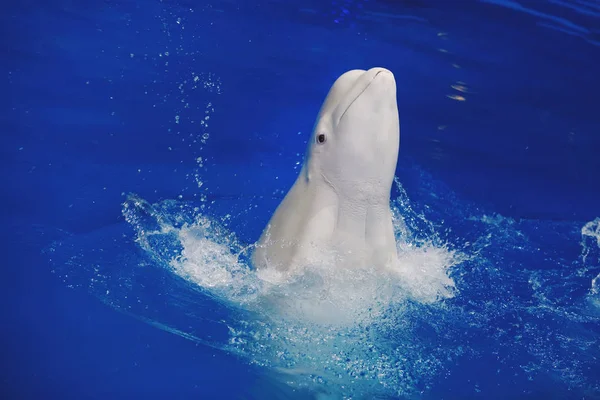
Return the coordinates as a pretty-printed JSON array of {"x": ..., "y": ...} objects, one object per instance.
[
  {"x": 340, "y": 203},
  {"x": 355, "y": 141}
]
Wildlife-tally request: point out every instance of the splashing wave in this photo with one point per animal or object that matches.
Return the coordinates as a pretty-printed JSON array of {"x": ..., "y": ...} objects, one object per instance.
[{"x": 507, "y": 297}]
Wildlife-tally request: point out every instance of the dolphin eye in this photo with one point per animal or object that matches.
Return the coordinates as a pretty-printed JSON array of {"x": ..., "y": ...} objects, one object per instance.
[{"x": 321, "y": 138}]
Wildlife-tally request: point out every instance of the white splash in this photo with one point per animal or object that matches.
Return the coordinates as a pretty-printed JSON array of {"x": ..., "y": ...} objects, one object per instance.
[
  {"x": 323, "y": 322},
  {"x": 321, "y": 293},
  {"x": 590, "y": 233}
]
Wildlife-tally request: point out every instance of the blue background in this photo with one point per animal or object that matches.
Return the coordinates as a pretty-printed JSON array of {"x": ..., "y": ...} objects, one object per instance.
[{"x": 88, "y": 113}]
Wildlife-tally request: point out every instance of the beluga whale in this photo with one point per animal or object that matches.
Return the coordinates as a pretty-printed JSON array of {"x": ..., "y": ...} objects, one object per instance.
[{"x": 339, "y": 206}]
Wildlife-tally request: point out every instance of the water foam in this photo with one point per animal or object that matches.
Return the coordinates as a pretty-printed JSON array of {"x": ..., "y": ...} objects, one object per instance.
[
  {"x": 322, "y": 325},
  {"x": 590, "y": 243},
  {"x": 509, "y": 295}
]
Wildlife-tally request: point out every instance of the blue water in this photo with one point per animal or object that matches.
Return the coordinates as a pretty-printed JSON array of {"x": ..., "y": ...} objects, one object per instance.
[{"x": 146, "y": 145}]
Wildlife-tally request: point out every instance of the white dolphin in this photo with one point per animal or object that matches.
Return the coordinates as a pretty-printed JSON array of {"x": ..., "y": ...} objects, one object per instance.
[{"x": 340, "y": 203}]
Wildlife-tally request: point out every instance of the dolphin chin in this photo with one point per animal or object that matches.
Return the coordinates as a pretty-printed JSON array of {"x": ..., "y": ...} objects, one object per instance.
[{"x": 339, "y": 204}]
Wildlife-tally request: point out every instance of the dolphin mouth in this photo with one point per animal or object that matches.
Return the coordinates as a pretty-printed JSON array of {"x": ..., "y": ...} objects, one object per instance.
[{"x": 361, "y": 85}]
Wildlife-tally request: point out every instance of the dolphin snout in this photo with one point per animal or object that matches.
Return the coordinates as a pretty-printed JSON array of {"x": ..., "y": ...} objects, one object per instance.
[
  {"x": 374, "y": 75},
  {"x": 379, "y": 70},
  {"x": 381, "y": 73}
]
